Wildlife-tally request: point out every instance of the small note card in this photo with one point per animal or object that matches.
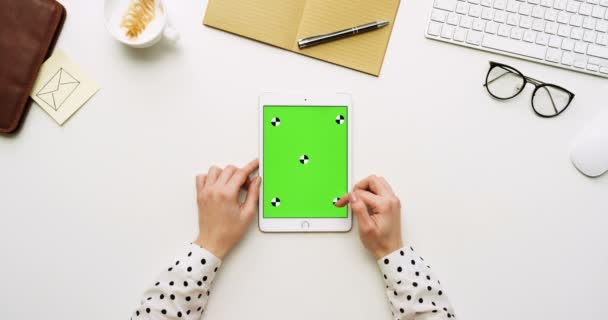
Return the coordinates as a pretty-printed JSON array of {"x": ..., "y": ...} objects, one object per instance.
[{"x": 62, "y": 87}]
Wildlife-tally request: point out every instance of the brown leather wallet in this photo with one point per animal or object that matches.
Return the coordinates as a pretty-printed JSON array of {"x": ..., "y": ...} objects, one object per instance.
[{"x": 28, "y": 31}]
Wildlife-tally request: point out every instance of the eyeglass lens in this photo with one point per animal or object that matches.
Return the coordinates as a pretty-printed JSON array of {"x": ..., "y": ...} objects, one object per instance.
[
  {"x": 504, "y": 83},
  {"x": 549, "y": 101}
]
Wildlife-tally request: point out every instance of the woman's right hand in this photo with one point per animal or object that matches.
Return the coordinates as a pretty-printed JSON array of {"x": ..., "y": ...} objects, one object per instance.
[{"x": 378, "y": 211}]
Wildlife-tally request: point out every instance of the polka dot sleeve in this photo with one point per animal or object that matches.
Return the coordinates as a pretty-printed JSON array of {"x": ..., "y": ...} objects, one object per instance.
[
  {"x": 413, "y": 290},
  {"x": 182, "y": 290}
]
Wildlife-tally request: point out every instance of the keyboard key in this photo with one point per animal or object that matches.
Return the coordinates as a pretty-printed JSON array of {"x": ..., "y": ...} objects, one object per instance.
[
  {"x": 475, "y": 11},
  {"x": 551, "y": 28},
  {"x": 538, "y": 25},
  {"x": 589, "y": 23},
  {"x": 576, "y": 34},
  {"x": 487, "y": 13},
  {"x": 567, "y": 44},
  {"x": 604, "y": 3},
  {"x": 602, "y": 39},
  {"x": 589, "y": 36},
  {"x": 564, "y": 30},
  {"x": 491, "y": 27},
  {"x": 542, "y": 39},
  {"x": 517, "y": 33},
  {"x": 598, "y": 12},
  {"x": 601, "y": 26},
  {"x": 555, "y": 42},
  {"x": 434, "y": 29},
  {"x": 560, "y": 4},
  {"x": 579, "y": 64},
  {"x": 576, "y": 21},
  {"x": 460, "y": 34},
  {"x": 500, "y": 16},
  {"x": 466, "y": 22},
  {"x": 448, "y": 5},
  {"x": 439, "y": 15},
  {"x": 512, "y": 19},
  {"x": 593, "y": 67},
  {"x": 504, "y": 30},
  {"x": 462, "y": 8},
  {"x": 447, "y": 31},
  {"x": 604, "y": 70},
  {"x": 529, "y": 36},
  {"x": 525, "y": 22},
  {"x": 546, "y": 3},
  {"x": 500, "y": 4},
  {"x": 550, "y": 15},
  {"x": 563, "y": 17},
  {"x": 572, "y": 6},
  {"x": 585, "y": 9},
  {"x": 597, "y": 51},
  {"x": 525, "y": 9},
  {"x": 567, "y": 58},
  {"x": 512, "y": 6},
  {"x": 514, "y": 46},
  {"x": 538, "y": 12},
  {"x": 453, "y": 19},
  {"x": 580, "y": 47},
  {"x": 486, "y": 3},
  {"x": 474, "y": 37},
  {"x": 554, "y": 55},
  {"x": 479, "y": 25}
]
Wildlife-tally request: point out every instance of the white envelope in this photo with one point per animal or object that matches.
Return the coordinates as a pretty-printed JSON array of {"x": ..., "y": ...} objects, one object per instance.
[
  {"x": 58, "y": 89},
  {"x": 62, "y": 87}
]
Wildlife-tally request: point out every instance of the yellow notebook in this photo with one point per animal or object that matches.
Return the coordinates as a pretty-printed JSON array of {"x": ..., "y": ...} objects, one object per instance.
[{"x": 282, "y": 23}]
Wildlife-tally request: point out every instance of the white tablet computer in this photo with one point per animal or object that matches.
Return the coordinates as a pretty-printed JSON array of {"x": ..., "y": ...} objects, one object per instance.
[{"x": 305, "y": 162}]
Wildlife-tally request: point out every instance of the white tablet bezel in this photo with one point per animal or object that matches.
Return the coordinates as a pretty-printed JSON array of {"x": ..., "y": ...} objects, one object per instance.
[{"x": 300, "y": 224}]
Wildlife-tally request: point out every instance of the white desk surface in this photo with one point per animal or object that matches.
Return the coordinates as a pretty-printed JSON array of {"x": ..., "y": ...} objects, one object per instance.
[{"x": 93, "y": 210}]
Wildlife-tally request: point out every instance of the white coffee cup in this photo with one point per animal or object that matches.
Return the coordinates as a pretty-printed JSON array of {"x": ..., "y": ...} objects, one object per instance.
[{"x": 115, "y": 10}]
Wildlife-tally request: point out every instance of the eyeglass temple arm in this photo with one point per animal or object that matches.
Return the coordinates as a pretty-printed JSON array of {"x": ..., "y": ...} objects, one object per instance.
[
  {"x": 500, "y": 76},
  {"x": 531, "y": 80},
  {"x": 551, "y": 97}
]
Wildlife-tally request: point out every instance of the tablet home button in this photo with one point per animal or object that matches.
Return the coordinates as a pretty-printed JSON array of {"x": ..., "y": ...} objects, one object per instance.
[{"x": 305, "y": 225}]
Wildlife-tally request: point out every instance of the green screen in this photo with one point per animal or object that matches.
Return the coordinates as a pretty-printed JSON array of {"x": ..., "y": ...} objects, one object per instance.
[{"x": 305, "y": 161}]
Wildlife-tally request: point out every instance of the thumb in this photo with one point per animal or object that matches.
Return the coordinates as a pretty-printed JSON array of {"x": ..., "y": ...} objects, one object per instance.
[
  {"x": 253, "y": 193},
  {"x": 360, "y": 211}
]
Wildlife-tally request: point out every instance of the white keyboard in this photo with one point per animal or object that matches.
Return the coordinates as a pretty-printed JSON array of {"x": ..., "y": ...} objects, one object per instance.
[{"x": 569, "y": 34}]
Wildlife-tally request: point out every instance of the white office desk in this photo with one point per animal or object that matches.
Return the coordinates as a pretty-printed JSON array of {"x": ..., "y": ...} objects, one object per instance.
[{"x": 93, "y": 210}]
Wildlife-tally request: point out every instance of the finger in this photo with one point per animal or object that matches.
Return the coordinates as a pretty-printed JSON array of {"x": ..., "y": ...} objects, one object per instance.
[
  {"x": 371, "y": 200},
  {"x": 200, "y": 181},
  {"x": 359, "y": 209},
  {"x": 251, "y": 201},
  {"x": 247, "y": 183},
  {"x": 212, "y": 175},
  {"x": 342, "y": 201},
  {"x": 386, "y": 185},
  {"x": 226, "y": 174},
  {"x": 373, "y": 184},
  {"x": 241, "y": 176}
]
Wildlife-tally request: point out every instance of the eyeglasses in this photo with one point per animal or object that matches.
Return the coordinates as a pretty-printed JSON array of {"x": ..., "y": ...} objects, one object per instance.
[{"x": 548, "y": 100}]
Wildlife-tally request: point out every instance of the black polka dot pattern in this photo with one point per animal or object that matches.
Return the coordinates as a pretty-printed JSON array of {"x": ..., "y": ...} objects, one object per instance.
[
  {"x": 410, "y": 290},
  {"x": 187, "y": 282},
  {"x": 182, "y": 288}
]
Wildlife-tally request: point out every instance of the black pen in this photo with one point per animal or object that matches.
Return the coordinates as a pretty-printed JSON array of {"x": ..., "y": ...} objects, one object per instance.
[{"x": 323, "y": 38}]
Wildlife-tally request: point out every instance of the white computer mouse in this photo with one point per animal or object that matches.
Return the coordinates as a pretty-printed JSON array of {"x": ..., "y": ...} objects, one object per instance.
[{"x": 590, "y": 149}]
